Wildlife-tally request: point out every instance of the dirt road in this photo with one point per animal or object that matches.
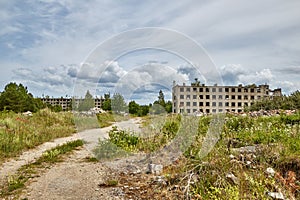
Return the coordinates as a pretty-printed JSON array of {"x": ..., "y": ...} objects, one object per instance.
[{"x": 75, "y": 178}]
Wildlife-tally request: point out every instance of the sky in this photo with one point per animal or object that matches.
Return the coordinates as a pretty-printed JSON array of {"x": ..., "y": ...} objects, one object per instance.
[{"x": 62, "y": 48}]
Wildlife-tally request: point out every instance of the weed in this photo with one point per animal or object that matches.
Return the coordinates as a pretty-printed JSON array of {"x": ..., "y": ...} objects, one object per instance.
[
  {"x": 19, "y": 133},
  {"x": 17, "y": 181}
]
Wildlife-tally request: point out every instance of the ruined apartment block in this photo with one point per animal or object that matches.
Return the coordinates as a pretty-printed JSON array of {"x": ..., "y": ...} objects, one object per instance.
[
  {"x": 199, "y": 98},
  {"x": 66, "y": 103}
]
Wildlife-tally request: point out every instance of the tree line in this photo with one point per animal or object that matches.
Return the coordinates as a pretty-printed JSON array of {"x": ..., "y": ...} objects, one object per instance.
[
  {"x": 117, "y": 104},
  {"x": 16, "y": 97},
  {"x": 286, "y": 102}
]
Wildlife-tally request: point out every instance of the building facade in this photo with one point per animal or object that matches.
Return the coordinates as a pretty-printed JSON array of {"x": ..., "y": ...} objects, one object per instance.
[
  {"x": 67, "y": 103},
  {"x": 199, "y": 98}
]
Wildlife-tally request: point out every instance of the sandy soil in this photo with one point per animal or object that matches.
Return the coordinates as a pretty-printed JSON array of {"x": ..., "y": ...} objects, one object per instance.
[{"x": 74, "y": 178}]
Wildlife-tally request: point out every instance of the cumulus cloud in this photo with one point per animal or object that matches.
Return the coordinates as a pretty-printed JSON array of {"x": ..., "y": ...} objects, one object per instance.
[
  {"x": 57, "y": 33},
  {"x": 234, "y": 74}
]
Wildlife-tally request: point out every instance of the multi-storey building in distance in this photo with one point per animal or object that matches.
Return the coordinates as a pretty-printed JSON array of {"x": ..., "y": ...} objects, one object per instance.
[
  {"x": 199, "y": 98},
  {"x": 66, "y": 103}
]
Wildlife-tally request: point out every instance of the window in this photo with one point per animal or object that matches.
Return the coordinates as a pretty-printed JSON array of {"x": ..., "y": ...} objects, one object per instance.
[
  {"x": 227, "y": 104},
  {"x": 252, "y": 90},
  {"x": 246, "y": 97},
  {"x": 188, "y": 96},
  {"x": 194, "y": 103},
  {"x": 194, "y": 110},
  {"x": 232, "y": 89},
  {"x": 181, "y": 104},
  {"x": 201, "y": 96},
  {"x": 188, "y": 89},
  {"x": 220, "y": 104},
  {"x": 252, "y": 97},
  {"x": 220, "y": 110},
  {"x": 181, "y": 96},
  {"x": 226, "y": 89},
  {"x": 207, "y": 110},
  {"x": 232, "y": 104},
  {"x": 200, "y": 89},
  {"x": 188, "y": 110},
  {"x": 188, "y": 103},
  {"x": 214, "y": 96},
  {"x": 239, "y": 104},
  {"x": 245, "y": 90},
  {"x": 220, "y": 96},
  {"x": 195, "y": 89},
  {"x": 239, "y": 96},
  {"x": 194, "y": 96},
  {"x": 226, "y": 96},
  {"x": 200, "y": 103},
  {"x": 232, "y": 96},
  {"x": 214, "y": 104},
  {"x": 181, "y": 89},
  {"x": 206, "y": 89},
  {"x": 207, "y": 97},
  {"x": 220, "y": 89},
  {"x": 214, "y": 110},
  {"x": 240, "y": 90},
  {"x": 213, "y": 89},
  {"x": 207, "y": 103}
]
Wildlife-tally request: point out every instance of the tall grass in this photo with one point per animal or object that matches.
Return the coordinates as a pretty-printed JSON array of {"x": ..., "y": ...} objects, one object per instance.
[
  {"x": 19, "y": 133},
  {"x": 275, "y": 138}
]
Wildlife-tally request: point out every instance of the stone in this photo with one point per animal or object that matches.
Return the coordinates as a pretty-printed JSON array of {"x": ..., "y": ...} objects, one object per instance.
[
  {"x": 270, "y": 171},
  {"x": 155, "y": 169},
  {"x": 245, "y": 149},
  {"x": 276, "y": 195},
  {"x": 233, "y": 178},
  {"x": 160, "y": 180}
]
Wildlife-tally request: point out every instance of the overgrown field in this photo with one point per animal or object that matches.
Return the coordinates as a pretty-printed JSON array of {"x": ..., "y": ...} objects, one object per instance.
[
  {"x": 254, "y": 158},
  {"x": 19, "y": 132}
]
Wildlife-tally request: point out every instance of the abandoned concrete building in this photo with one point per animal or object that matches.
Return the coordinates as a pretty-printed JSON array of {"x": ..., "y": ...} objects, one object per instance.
[
  {"x": 66, "y": 103},
  {"x": 199, "y": 98}
]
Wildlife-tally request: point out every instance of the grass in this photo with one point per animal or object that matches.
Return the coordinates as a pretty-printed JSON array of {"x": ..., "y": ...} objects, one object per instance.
[
  {"x": 19, "y": 133},
  {"x": 86, "y": 122},
  {"x": 105, "y": 119},
  {"x": 277, "y": 141},
  {"x": 275, "y": 138},
  {"x": 16, "y": 182},
  {"x": 122, "y": 143}
]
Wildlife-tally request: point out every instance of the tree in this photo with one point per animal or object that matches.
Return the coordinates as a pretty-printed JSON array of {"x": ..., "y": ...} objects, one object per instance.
[
  {"x": 118, "y": 103},
  {"x": 143, "y": 110},
  {"x": 133, "y": 107},
  {"x": 16, "y": 98},
  {"x": 161, "y": 98},
  {"x": 160, "y": 106},
  {"x": 106, "y": 105},
  {"x": 87, "y": 103},
  {"x": 168, "y": 106}
]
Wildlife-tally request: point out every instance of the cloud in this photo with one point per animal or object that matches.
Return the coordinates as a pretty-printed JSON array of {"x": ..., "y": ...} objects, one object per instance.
[
  {"x": 230, "y": 73},
  {"x": 235, "y": 74},
  {"x": 263, "y": 37},
  {"x": 290, "y": 70}
]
